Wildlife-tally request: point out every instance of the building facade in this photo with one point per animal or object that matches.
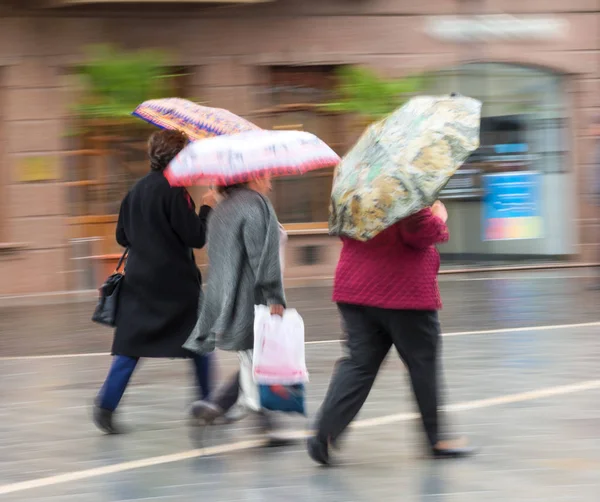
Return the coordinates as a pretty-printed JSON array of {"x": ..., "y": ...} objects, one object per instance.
[{"x": 535, "y": 65}]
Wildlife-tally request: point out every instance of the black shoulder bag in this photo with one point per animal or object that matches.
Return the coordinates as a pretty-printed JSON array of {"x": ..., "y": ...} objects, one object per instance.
[{"x": 108, "y": 302}]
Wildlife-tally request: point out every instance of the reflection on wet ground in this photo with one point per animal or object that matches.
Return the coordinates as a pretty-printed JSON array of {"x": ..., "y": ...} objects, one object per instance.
[
  {"x": 471, "y": 302},
  {"x": 530, "y": 398}
]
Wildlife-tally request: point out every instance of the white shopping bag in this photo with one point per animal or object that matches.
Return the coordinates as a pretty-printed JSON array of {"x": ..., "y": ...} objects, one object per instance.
[{"x": 278, "y": 357}]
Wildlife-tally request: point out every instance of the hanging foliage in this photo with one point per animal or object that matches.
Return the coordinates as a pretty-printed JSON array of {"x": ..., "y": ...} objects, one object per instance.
[
  {"x": 365, "y": 94},
  {"x": 116, "y": 81}
]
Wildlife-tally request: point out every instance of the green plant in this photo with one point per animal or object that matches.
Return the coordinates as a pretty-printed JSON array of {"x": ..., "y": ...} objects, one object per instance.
[
  {"x": 116, "y": 81},
  {"x": 362, "y": 92}
]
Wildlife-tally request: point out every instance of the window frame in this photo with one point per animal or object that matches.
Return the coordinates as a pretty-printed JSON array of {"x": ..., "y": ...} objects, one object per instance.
[
  {"x": 268, "y": 116},
  {"x": 481, "y": 73},
  {"x": 97, "y": 149}
]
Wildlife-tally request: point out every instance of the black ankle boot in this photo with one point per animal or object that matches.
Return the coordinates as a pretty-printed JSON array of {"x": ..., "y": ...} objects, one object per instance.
[
  {"x": 205, "y": 412},
  {"x": 103, "y": 419},
  {"x": 318, "y": 450},
  {"x": 270, "y": 429},
  {"x": 452, "y": 449}
]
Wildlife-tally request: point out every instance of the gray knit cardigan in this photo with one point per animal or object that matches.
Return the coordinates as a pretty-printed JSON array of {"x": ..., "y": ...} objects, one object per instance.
[{"x": 244, "y": 271}]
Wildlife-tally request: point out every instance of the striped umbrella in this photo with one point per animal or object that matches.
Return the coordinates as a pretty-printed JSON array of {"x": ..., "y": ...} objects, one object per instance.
[{"x": 195, "y": 120}]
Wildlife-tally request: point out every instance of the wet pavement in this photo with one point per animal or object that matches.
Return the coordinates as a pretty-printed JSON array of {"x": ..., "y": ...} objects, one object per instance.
[
  {"x": 529, "y": 397},
  {"x": 471, "y": 302}
]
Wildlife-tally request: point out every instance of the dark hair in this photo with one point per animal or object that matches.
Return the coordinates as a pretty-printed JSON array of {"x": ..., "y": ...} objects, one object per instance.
[
  {"x": 224, "y": 190},
  {"x": 163, "y": 146}
]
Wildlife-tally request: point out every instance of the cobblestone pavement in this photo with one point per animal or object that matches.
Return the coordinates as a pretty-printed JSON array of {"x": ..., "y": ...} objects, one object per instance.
[{"x": 529, "y": 397}]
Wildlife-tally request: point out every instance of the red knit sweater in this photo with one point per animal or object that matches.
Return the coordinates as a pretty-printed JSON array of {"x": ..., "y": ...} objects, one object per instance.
[{"x": 395, "y": 270}]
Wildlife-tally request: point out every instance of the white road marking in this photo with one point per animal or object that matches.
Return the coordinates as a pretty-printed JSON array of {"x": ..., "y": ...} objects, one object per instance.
[
  {"x": 552, "y": 327},
  {"x": 528, "y": 274},
  {"x": 55, "y": 356},
  {"x": 127, "y": 466},
  {"x": 446, "y": 275},
  {"x": 500, "y": 331},
  {"x": 449, "y": 278},
  {"x": 248, "y": 444},
  {"x": 487, "y": 403}
]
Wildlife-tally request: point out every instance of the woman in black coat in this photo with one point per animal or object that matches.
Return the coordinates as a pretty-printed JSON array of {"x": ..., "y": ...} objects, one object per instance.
[{"x": 158, "y": 300}]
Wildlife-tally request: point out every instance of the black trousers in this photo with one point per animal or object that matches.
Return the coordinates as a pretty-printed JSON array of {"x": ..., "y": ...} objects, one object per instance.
[{"x": 371, "y": 332}]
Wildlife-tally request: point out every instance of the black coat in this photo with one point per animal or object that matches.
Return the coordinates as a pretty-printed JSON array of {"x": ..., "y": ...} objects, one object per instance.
[{"x": 158, "y": 301}]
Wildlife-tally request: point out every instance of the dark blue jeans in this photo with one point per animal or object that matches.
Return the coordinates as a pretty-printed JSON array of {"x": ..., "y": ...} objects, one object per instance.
[{"x": 122, "y": 369}]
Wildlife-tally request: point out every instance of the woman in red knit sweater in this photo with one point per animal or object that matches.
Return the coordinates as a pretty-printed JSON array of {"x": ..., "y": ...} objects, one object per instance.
[{"x": 387, "y": 293}]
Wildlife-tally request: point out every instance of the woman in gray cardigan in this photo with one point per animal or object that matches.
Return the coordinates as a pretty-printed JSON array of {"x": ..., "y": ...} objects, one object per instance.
[{"x": 244, "y": 271}]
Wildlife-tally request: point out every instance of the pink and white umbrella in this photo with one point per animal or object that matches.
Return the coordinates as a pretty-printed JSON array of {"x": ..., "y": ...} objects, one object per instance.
[{"x": 227, "y": 160}]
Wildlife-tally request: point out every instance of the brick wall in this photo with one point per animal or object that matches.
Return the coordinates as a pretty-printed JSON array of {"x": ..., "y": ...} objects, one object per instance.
[
  {"x": 229, "y": 51},
  {"x": 34, "y": 124}
]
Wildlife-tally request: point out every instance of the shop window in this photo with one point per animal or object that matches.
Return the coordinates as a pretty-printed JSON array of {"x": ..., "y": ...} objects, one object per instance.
[
  {"x": 310, "y": 255},
  {"x": 295, "y": 95},
  {"x": 524, "y": 127},
  {"x": 105, "y": 159},
  {"x": 524, "y": 115}
]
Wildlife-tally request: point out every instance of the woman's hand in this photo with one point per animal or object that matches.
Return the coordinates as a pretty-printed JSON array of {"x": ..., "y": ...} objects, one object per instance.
[
  {"x": 277, "y": 310},
  {"x": 439, "y": 210},
  {"x": 210, "y": 199}
]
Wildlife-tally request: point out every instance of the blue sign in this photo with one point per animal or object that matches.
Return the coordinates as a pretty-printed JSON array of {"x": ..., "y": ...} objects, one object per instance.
[
  {"x": 511, "y": 148},
  {"x": 512, "y": 206}
]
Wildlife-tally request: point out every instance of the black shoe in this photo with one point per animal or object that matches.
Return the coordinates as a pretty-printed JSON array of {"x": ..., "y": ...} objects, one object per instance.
[
  {"x": 268, "y": 425},
  {"x": 275, "y": 440},
  {"x": 205, "y": 413},
  {"x": 266, "y": 422},
  {"x": 103, "y": 419},
  {"x": 318, "y": 450},
  {"x": 452, "y": 449}
]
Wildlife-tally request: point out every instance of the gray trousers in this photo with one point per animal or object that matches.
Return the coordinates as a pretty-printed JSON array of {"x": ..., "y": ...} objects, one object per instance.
[{"x": 371, "y": 332}]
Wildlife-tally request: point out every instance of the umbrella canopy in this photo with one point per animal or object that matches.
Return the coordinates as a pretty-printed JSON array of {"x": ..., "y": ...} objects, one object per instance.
[
  {"x": 400, "y": 164},
  {"x": 227, "y": 160},
  {"x": 197, "y": 121}
]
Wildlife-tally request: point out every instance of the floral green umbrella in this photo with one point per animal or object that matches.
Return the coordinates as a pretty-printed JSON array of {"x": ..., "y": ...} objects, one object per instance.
[{"x": 400, "y": 164}]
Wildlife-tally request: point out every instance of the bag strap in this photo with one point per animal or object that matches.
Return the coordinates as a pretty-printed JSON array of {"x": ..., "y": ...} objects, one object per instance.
[{"x": 122, "y": 259}]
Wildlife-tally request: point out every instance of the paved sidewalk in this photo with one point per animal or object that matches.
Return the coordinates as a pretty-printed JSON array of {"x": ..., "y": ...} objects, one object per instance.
[
  {"x": 530, "y": 398},
  {"x": 471, "y": 302}
]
